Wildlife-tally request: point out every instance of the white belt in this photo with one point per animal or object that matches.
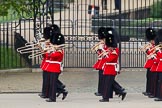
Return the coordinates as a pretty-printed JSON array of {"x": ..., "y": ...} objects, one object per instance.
[
  {"x": 53, "y": 62},
  {"x": 47, "y": 60},
  {"x": 99, "y": 58},
  {"x": 160, "y": 59},
  {"x": 111, "y": 63}
]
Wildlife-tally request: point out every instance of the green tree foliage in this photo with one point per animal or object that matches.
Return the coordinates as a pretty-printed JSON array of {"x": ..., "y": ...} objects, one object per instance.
[
  {"x": 156, "y": 10},
  {"x": 17, "y": 6},
  {"x": 25, "y": 6}
]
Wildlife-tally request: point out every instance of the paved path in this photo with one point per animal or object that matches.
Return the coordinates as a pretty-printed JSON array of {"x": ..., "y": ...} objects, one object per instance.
[
  {"x": 81, "y": 84},
  {"x": 81, "y": 100}
]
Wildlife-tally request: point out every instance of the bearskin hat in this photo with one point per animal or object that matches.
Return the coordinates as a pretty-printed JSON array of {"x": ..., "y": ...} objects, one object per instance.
[
  {"x": 114, "y": 32},
  {"x": 55, "y": 28},
  {"x": 159, "y": 35},
  {"x": 47, "y": 32},
  {"x": 57, "y": 39},
  {"x": 150, "y": 34},
  {"x": 101, "y": 33},
  {"x": 111, "y": 38}
]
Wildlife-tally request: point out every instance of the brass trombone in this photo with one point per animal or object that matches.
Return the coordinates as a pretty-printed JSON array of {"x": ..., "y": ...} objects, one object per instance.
[
  {"x": 142, "y": 48},
  {"x": 27, "y": 47},
  {"x": 105, "y": 52},
  {"x": 50, "y": 48},
  {"x": 154, "y": 50},
  {"x": 157, "y": 46},
  {"x": 31, "y": 47},
  {"x": 96, "y": 46}
]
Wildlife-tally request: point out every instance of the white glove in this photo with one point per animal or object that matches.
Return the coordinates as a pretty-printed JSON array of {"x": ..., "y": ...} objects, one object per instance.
[
  {"x": 152, "y": 56},
  {"x": 157, "y": 49}
]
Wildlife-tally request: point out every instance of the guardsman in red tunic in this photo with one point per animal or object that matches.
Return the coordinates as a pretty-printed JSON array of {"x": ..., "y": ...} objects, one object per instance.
[
  {"x": 101, "y": 47},
  {"x": 110, "y": 66},
  {"x": 150, "y": 36},
  {"x": 117, "y": 88},
  {"x": 159, "y": 68},
  {"x": 153, "y": 79},
  {"x": 54, "y": 66},
  {"x": 45, "y": 75},
  {"x": 98, "y": 65}
]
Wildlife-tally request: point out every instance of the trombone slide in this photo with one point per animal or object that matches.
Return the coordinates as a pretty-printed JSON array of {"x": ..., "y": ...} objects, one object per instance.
[
  {"x": 27, "y": 46},
  {"x": 96, "y": 46},
  {"x": 145, "y": 46}
]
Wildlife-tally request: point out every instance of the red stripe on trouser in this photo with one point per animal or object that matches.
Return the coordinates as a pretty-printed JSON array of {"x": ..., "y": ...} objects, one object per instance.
[
  {"x": 105, "y": 90},
  {"x": 161, "y": 90},
  {"x": 54, "y": 85},
  {"x": 47, "y": 86}
]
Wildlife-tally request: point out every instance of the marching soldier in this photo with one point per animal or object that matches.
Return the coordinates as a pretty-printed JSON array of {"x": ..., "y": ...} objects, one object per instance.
[
  {"x": 45, "y": 83},
  {"x": 117, "y": 88},
  {"x": 153, "y": 69},
  {"x": 150, "y": 36},
  {"x": 48, "y": 33},
  {"x": 159, "y": 68},
  {"x": 98, "y": 65},
  {"x": 109, "y": 68},
  {"x": 54, "y": 66}
]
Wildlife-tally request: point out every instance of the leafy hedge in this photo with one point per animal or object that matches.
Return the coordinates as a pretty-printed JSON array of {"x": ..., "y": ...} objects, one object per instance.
[
  {"x": 9, "y": 58},
  {"x": 156, "y": 10}
]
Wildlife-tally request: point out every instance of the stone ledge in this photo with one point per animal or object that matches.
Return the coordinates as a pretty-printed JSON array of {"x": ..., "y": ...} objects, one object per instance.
[{"x": 16, "y": 70}]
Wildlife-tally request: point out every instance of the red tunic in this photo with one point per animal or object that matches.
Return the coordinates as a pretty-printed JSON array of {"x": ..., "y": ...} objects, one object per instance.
[
  {"x": 111, "y": 62},
  {"x": 159, "y": 67},
  {"x": 150, "y": 61},
  {"x": 99, "y": 64},
  {"x": 55, "y": 62},
  {"x": 155, "y": 64},
  {"x": 43, "y": 60},
  {"x": 45, "y": 63}
]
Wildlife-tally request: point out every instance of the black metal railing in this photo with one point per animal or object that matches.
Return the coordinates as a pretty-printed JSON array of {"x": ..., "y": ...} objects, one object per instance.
[{"x": 79, "y": 25}]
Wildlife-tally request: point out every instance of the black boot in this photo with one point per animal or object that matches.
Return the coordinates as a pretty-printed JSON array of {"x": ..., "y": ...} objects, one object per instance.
[
  {"x": 58, "y": 94},
  {"x": 123, "y": 95},
  {"x": 157, "y": 99},
  {"x": 42, "y": 96},
  {"x": 145, "y": 93},
  {"x": 104, "y": 100},
  {"x": 97, "y": 94},
  {"x": 64, "y": 94},
  {"x": 50, "y": 100}
]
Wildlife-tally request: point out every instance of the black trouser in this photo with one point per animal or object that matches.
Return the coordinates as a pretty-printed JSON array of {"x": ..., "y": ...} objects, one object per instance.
[
  {"x": 45, "y": 83},
  {"x": 148, "y": 82},
  {"x": 53, "y": 85},
  {"x": 117, "y": 88},
  {"x": 100, "y": 81},
  {"x": 108, "y": 86},
  {"x": 153, "y": 81},
  {"x": 159, "y": 87},
  {"x": 60, "y": 86}
]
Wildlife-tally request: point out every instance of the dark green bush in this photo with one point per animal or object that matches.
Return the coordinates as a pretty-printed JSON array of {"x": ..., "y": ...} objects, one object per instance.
[
  {"x": 156, "y": 10},
  {"x": 9, "y": 59}
]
